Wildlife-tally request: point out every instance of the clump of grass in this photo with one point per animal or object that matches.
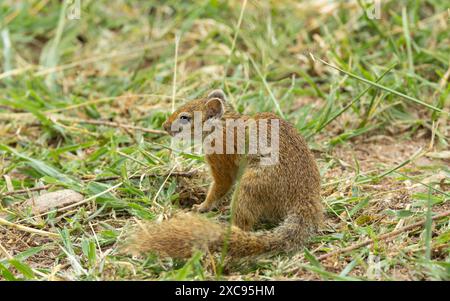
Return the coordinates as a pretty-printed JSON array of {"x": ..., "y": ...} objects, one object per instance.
[{"x": 377, "y": 121}]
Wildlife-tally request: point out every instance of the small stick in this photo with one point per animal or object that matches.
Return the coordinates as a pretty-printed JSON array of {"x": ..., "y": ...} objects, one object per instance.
[
  {"x": 25, "y": 116},
  {"x": 386, "y": 236},
  {"x": 111, "y": 124},
  {"x": 28, "y": 229},
  {"x": 186, "y": 174},
  {"x": 5, "y": 252},
  {"x": 22, "y": 191},
  {"x": 92, "y": 178}
]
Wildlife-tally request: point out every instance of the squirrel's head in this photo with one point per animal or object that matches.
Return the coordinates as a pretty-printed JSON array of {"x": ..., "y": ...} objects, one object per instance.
[{"x": 211, "y": 107}]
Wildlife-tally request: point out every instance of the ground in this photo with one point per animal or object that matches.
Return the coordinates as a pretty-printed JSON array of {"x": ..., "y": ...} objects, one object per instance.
[{"x": 83, "y": 94}]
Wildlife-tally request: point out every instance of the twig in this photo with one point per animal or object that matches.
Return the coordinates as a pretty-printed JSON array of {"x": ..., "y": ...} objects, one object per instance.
[
  {"x": 28, "y": 229},
  {"x": 186, "y": 174},
  {"x": 5, "y": 252},
  {"x": 28, "y": 117},
  {"x": 22, "y": 191},
  {"x": 106, "y": 179},
  {"x": 386, "y": 236},
  {"x": 56, "y": 117},
  {"x": 111, "y": 124}
]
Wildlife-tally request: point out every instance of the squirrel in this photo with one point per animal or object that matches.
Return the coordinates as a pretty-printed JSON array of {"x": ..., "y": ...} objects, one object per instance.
[{"x": 286, "y": 193}]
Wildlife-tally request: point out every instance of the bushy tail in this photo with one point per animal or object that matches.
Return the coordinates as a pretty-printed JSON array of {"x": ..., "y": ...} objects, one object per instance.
[{"x": 179, "y": 236}]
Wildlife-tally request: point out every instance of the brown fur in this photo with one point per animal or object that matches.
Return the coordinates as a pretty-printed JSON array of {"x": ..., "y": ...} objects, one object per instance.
[{"x": 287, "y": 194}]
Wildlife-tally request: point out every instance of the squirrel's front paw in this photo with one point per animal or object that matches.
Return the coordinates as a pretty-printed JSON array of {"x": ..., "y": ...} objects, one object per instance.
[{"x": 203, "y": 207}]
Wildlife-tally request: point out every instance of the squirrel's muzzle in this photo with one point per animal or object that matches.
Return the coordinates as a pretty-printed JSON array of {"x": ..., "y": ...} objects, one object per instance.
[{"x": 168, "y": 128}]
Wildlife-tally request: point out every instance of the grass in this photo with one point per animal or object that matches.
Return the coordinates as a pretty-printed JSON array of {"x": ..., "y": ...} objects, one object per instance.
[{"x": 371, "y": 96}]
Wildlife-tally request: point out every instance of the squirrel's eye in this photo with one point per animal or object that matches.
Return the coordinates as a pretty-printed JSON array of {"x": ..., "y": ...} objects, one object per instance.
[{"x": 185, "y": 119}]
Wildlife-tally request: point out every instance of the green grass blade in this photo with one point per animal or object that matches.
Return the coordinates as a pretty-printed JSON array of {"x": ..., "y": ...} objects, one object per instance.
[{"x": 387, "y": 89}]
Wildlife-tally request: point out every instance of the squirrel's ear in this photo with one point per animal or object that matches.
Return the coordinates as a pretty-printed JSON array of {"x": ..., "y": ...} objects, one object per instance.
[
  {"x": 214, "y": 108},
  {"x": 217, "y": 94}
]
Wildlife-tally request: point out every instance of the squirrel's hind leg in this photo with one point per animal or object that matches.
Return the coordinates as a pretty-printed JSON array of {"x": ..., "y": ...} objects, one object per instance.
[{"x": 245, "y": 214}]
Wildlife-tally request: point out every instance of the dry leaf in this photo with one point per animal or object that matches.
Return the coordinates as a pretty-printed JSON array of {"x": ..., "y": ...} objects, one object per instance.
[{"x": 56, "y": 199}]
